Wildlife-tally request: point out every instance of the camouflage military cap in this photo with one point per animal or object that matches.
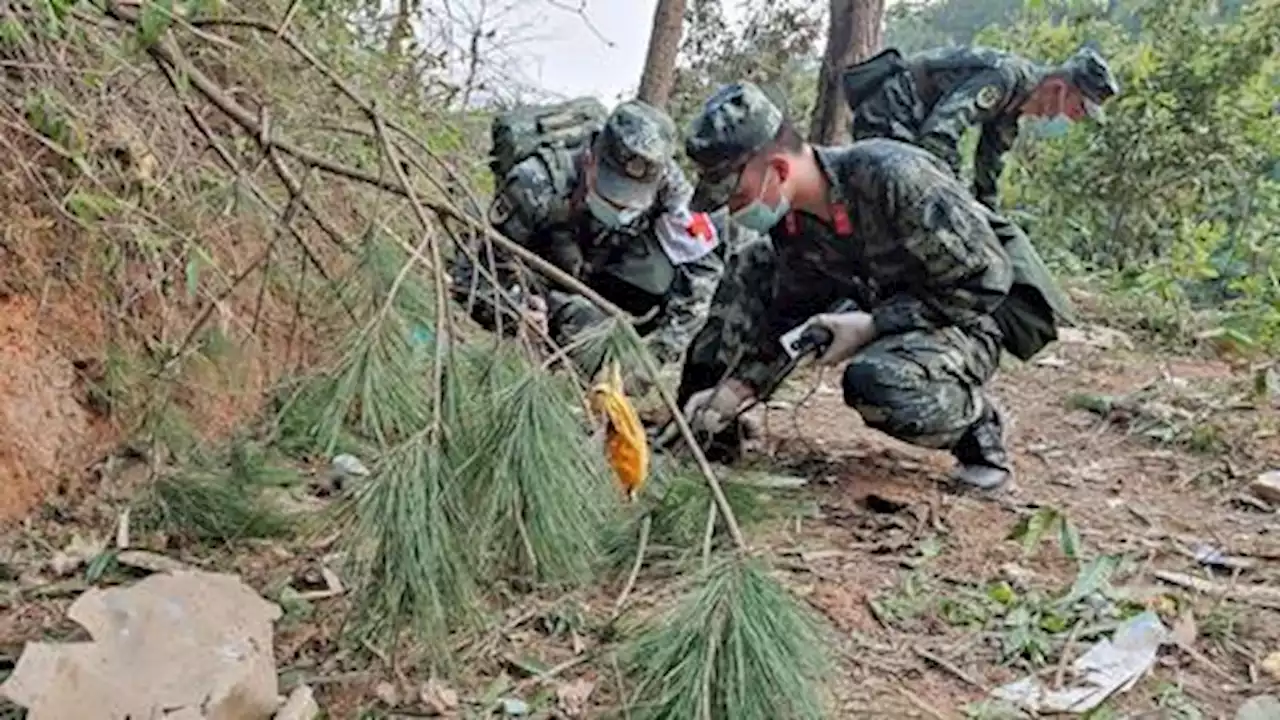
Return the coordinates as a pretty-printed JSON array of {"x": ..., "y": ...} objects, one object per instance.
[
  {"x": 735, "y": 123},
  {"x": 1089, "y": 72},
  {"x": 633, "y": 148}
]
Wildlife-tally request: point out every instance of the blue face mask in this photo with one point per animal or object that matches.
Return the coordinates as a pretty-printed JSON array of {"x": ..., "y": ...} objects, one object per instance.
[
  {"x": 606, "y": 213},
  {"x": 760, "y": 217},
  {"x": 1053, "y": 127}
]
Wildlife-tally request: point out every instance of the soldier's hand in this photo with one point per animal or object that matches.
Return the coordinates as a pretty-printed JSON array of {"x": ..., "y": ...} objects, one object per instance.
[
  {"x": 535, "y": 312},
  {"x": 849, "y": 333},
  {"x": 712, "y": 410}
]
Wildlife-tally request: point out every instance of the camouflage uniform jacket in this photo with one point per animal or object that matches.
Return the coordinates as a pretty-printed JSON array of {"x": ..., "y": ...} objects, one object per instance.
[
  {"x": 907, "y": 244},
  {"x": 540, "y": 206},
  {"x": 961, "y": 87}
]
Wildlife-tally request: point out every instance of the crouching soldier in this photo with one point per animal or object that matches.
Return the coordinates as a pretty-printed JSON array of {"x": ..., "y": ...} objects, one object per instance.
[
  {"x": 941, "y": 283},
  {"x": 602, "y": 198}
]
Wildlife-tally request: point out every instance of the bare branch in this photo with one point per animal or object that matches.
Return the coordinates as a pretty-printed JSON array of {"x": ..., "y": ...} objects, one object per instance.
[{"x": 581, "y": 11}]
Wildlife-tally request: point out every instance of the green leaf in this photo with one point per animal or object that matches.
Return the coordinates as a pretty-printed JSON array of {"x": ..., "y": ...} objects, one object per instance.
[
  {"x": 1092, "y": 577},
  {"x": 1054, "y": 623},
  {"x": 153, "y": 21},
  {"x": 193, "y": 276},
  {"x": 1030, "y": 530},
  {"x": 1003, "y": 593},
  {"x": 1068, "y": 538}
]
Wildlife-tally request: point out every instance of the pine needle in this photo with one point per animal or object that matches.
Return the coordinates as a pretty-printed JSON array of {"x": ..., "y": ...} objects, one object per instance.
[
  {"x": 540, "y": 487},
  {"x": 608, "y": 342},
  {"x": 738, "y": 646},
  {"x": 677, "y": 503},
  {"x": 379, "y": 392},
  {"x": 412, "y": 562},
  {"x": 220, "y": 498},
  {"x": 408, "y": 528}
]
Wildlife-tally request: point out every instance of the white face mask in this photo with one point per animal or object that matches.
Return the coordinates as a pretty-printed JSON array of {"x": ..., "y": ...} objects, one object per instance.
[{"x": 611, "y": 216}]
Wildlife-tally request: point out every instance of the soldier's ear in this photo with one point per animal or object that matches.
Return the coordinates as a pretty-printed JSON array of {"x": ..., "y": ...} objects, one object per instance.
[{"x": 782, "y": 166}]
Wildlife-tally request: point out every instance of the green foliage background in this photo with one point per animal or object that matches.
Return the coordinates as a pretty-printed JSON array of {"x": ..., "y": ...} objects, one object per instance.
[{"x": 1174, "y": 203}]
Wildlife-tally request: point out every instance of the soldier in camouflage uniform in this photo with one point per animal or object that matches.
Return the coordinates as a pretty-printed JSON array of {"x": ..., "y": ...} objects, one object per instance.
[
  {"x": 613, "y": 214},
  {"x": 931, "y": 98},
  {"x": 883, "y": 224}
]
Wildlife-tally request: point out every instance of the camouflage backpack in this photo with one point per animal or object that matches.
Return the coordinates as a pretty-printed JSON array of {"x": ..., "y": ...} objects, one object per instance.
[{"x": 522, "y": 132}]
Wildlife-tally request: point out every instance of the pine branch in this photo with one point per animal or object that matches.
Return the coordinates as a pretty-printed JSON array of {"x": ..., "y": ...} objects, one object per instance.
[
  {"x": 416, "y": 569},
  {"x": 735, "y": 646},
  {"x": 542, "y": 492}
]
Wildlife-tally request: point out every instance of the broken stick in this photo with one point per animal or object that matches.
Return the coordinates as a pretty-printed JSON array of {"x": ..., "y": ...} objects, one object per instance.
[{"x": 1266, "y": 597}]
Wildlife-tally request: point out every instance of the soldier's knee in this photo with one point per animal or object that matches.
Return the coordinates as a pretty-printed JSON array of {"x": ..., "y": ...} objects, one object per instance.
[
  {"x": 881, "y": 388},
  {"x": 896, "y": 395},
  {"x": 571, "y": 314}
]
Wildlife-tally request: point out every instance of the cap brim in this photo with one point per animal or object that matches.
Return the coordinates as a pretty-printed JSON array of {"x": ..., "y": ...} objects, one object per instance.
[
  {"x": 712, "y": 193},
  {"x": 624, "y": 191},
  {"x": 1094, "y": 110}
]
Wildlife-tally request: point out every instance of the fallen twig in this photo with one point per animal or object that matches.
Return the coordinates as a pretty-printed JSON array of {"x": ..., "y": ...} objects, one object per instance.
[
  {"x": 122, "y": 530},
  {"x": 645, "y": 526},
  {"x": 921, "y": 705},
  {"x": 875, "y": 613},
  {"x": 949, "y": 667},
  {"x": 152, "y": 562},
  {"x": 1266, "y": 597},
  {"x": 1060, "y": 674},
  {"x": 709, "y": 534},
  {"x": 553, "y": 672}
]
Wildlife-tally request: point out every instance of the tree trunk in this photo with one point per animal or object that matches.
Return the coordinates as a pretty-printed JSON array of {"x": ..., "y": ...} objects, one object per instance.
[
  {"x": 401, "y": 29},
  {"x": 664, "y": 44},
  {"x": 854, "y": 34}
]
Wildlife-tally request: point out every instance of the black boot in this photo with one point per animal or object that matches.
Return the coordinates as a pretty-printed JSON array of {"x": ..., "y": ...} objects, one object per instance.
[{"x": 984, "y": 460}]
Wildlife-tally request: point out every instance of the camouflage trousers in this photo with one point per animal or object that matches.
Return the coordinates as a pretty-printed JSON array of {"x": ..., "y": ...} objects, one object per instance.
[
  {"x": 893, "y": 111},
  {"x": 922, "y": 387}
]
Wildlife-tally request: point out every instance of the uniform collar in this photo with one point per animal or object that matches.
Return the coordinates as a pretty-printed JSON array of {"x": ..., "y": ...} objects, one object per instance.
[
  {"x": 827, "y": 161},
  {"x": 837, "y": 200}
]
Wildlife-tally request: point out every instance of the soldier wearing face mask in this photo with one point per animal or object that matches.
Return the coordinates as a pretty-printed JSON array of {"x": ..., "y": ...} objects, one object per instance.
[
  {"x": 942, "y": 285},
  {"x": 613, "y": 213},
  {"x": 931, "y": 98}
]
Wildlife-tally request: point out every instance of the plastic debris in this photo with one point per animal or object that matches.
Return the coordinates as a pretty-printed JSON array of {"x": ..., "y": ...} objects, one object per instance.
[
  {"x": 348, "y": 466},
  {"x": 1212, "y": 557},
  {"x": 301, "y": 705},
  {"x": 1271, "y": 666},
  {"x": 1109, "y": 667},
  {"x": 513, "y": 707}
]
